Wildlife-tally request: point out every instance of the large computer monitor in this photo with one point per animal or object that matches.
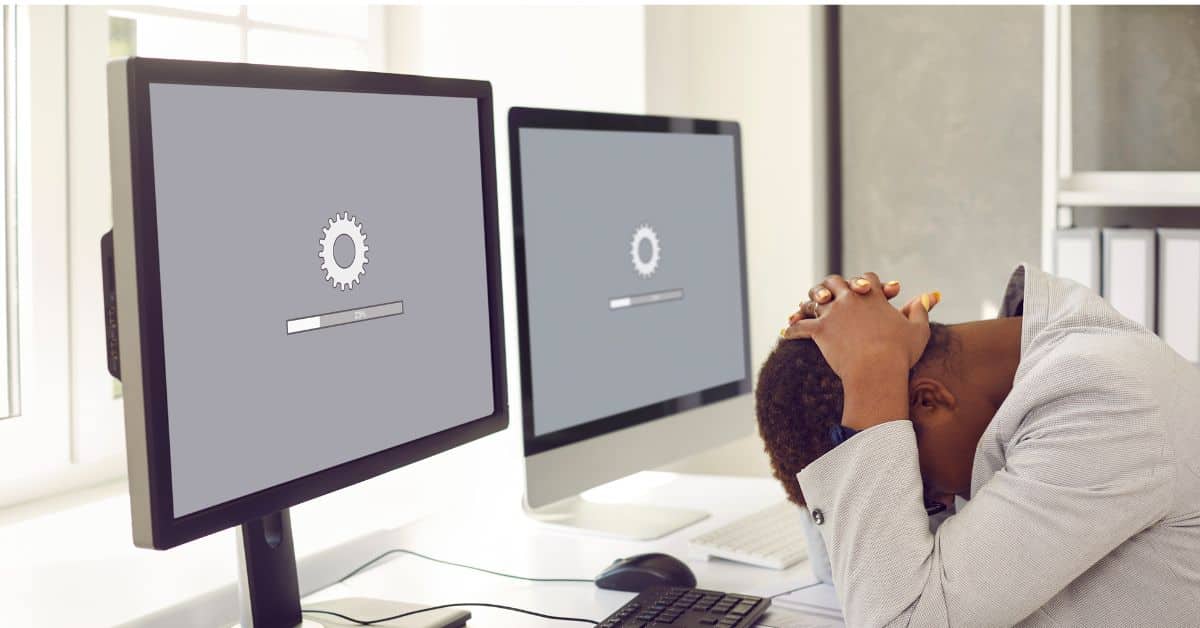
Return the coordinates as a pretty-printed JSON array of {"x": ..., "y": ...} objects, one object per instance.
[
  {"x": 631, "y": 302},
  {"x": 307, "y": 286}
]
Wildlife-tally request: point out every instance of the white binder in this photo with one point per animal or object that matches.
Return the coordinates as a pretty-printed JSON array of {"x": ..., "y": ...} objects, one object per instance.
[
  {"x": 1179, "y": 291},
  {"x": 1077, "y": 255},
  {"x": 1129, "y": 275}
]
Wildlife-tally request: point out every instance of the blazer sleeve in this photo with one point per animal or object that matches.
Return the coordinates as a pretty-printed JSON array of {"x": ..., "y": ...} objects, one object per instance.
[{"x": 1071, "y": 491}]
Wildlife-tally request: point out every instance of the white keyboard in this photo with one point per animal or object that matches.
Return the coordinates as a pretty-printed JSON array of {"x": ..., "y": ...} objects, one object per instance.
[{"x": 772, "y": 537}]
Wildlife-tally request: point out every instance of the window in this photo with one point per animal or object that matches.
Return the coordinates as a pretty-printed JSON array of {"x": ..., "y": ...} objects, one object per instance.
[
  {"x": 35, "y": 443},
  {"x": 318, "y": 36},
  {"x": 66, "y": 428}
]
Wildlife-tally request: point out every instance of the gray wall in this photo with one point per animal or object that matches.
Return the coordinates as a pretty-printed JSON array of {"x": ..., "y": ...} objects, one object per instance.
[
  {"x": 941, "y": 131},
  {"x": 1136, "y": 88}
]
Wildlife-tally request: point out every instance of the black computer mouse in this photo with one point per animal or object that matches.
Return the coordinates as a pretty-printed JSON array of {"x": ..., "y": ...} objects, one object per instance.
[{"x": 638, "y": 573}]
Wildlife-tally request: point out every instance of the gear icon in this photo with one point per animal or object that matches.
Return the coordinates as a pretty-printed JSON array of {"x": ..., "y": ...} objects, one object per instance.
[
  {"x": 645, "y": 268},
  {"x": 343, "y": 277}
]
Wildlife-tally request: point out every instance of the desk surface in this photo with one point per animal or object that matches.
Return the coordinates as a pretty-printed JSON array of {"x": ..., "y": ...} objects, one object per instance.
[{"x": 500, "y": 537}]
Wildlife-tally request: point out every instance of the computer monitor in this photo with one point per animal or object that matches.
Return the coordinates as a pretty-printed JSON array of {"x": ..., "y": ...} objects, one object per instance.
[
  {"x": 307, "y": 292},
  {"x": 631, "y": 303}
]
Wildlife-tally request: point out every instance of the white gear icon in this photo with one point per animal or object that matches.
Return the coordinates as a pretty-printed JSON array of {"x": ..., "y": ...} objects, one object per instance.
[
  {"x": 645, "y": 268},
  {"x": 343, "y": 224}
]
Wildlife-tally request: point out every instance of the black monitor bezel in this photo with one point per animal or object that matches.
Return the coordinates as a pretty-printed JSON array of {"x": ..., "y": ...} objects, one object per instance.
[
  {"x": 527, "y": 117},
  {"x": 167, "y": 530}
]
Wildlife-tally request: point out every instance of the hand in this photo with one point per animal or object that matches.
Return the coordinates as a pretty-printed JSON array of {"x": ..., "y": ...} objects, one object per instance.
[
  {"x": 870, "y": 345},
  {"x": 819, "y": 295}
]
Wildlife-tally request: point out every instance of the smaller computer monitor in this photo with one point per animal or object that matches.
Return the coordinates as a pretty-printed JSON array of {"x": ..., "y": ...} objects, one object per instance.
[
  {"x": 631, "y": 303},
  {"x": 306, "y": 282}
]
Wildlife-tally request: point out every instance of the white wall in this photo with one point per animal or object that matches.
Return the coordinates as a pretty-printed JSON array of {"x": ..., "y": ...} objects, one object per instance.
[{"x": 754, "y": 65}]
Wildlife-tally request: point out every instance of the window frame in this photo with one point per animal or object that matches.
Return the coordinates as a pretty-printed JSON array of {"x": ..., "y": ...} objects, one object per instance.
[{"x": 35, "y": 444}]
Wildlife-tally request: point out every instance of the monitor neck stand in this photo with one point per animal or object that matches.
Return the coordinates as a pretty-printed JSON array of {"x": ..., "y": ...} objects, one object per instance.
[
  {"x": 638, "y": 522},
  {"x": 269, "y": 590}
]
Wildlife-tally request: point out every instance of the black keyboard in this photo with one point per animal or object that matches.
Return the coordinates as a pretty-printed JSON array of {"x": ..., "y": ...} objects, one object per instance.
[{"x": 681, "y": 607}]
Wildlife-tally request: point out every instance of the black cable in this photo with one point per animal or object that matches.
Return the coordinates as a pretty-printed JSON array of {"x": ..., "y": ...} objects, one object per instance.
[
  {"x": 368, "y": 622},
  {"x": 807, "y": 586},
  {"x": 446, "y": 562}
]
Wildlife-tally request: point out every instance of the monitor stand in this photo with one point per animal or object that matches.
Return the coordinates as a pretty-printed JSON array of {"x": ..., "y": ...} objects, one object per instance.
[
  {"x": 637, "y": 522},
  {"x": 269, "y": 589}
]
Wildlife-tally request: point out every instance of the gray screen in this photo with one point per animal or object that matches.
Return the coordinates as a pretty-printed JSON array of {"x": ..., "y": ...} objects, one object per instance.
[
  {"x": 633, "y": 270},
  {"x": 359, "y": 218}
]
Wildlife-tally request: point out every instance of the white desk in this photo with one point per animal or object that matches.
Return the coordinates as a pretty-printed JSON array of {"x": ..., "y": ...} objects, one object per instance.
[{"x": 498, "y": 536}]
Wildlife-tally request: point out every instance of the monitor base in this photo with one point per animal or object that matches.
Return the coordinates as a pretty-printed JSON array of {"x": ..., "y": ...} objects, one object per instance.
[
  {"x": 269, "y": 593},
  {"x": 637, "y": 522},
  {"x": 370, "y": 608}
]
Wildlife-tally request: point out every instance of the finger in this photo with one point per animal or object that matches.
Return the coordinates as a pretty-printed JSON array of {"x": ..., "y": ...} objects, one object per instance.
[
  {"x": 820, "y": 294},
  {"x": 865, "y": 283},
  {"x": 860, "y": 285},
  {"x": 808, "y": 309},
  {"x": 916, "y": 302},
  {"x": 919, "y": 311},
  {"x": 891, "y": 289},
  {"x": 798, "y": 330},
  {"x": 837, "y": 285}
]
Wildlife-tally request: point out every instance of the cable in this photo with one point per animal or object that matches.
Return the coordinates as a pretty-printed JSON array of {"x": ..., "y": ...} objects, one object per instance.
[
  {"x": 368, "y": 622},
  {"x": 807, "y": 586},
  {"x": 446, "y": 562}
]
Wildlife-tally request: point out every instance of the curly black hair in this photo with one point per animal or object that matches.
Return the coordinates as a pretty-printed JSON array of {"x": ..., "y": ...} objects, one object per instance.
[{"x": 799, "y": 399}]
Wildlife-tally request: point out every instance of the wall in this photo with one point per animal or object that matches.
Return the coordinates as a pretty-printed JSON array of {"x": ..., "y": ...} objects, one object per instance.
[
  {"x": 941, "y": 125},
  {"x": 751, "y": 64}
]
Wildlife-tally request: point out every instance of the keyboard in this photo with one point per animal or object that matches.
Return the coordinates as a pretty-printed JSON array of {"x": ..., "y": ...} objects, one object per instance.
[
  {"x": 682, "y": 607},
  {"x": 772, "y": 537}
]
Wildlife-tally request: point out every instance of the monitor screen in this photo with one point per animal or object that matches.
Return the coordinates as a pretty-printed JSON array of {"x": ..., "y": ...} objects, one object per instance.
[
  {"x": 632, "y": 270},
  {"x": 323, "y": 278}
]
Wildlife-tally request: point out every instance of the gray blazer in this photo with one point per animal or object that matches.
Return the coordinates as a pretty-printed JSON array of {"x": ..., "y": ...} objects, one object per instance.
[{"x": 1085, "y": 493}]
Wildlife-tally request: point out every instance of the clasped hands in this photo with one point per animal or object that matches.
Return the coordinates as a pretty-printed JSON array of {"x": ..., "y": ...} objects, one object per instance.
[{"x": 867, "y": 342}]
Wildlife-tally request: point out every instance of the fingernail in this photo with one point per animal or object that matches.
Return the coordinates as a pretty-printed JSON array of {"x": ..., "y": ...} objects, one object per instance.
[
  {"x": 793, "y": 318},
  {"x": 925, "y": 302},
  {"x": 823, "y": 294},
  {"x": 892, "y": 284},
  {"x": 861, "y": 283}
]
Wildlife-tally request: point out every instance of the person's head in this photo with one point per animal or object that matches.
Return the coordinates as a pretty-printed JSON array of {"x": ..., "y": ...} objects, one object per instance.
[{"x": 799, "y": 399}]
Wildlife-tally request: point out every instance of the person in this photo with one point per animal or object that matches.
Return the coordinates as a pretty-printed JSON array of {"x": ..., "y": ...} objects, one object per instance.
[{"x": 1069, "y": 434}]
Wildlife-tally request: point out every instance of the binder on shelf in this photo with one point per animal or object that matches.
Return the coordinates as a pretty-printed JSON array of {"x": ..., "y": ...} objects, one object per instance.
[
  {"x": 1077, "y": 255},
  {"x": 1128, "y": 277},
  {"x": 1179, "y": 291}
]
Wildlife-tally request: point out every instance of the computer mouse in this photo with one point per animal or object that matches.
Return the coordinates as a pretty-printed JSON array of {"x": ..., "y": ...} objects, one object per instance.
[{"x": 638, "y": 573}]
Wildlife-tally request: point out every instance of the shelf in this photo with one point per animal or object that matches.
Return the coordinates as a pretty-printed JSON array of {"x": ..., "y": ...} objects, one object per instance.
[{"x": 1130, "y": 189}]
